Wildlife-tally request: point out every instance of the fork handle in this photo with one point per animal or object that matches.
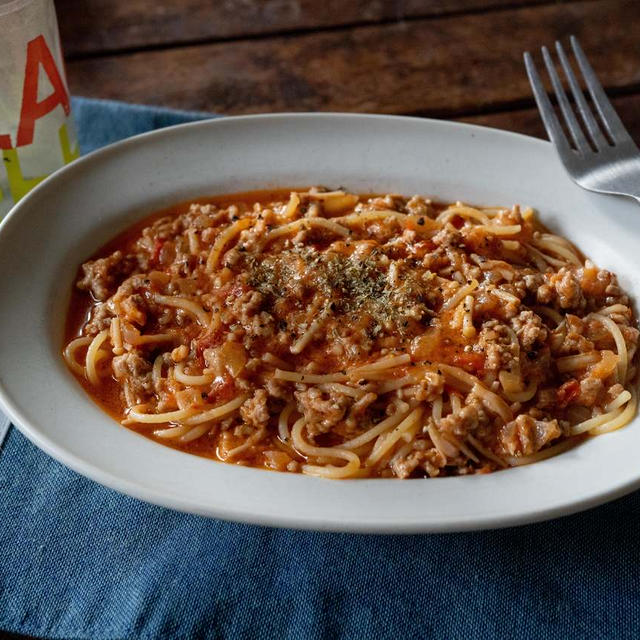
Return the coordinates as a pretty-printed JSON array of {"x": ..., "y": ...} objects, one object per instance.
[{"x": 617, "y": 185}]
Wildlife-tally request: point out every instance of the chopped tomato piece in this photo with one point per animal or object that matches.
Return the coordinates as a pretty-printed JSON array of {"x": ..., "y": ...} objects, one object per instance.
[
  {"x": 209, "y": 340},
  {"x": 222, "y": 389},
  {"x": 567, "y": 392},
  {"x": 471, "y": 362}
]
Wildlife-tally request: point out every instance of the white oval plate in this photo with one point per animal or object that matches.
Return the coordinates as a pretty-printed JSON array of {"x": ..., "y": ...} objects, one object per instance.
[{"x": 65, "y": 219}]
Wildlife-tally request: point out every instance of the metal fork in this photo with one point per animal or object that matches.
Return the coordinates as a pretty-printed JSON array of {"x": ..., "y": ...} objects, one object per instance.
[{"x": 601, "y": 156}]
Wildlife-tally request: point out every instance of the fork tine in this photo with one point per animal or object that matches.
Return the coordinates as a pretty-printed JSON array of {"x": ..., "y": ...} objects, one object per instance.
[
  {"x": 549, "y": 118},
  {"x": 587, "y": 117},
  {"x": 610, "y": 118},
  {"x": 570, "y": 119}
]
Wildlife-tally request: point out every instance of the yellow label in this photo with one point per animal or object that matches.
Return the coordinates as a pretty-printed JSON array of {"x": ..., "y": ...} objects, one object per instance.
[{"x": 21, "y": 185}]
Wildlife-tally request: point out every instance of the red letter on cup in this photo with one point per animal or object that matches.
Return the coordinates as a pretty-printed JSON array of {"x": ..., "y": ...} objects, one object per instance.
[{"x": 38, "y": 54}]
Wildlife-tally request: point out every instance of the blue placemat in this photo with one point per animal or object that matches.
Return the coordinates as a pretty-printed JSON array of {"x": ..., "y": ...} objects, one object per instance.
[{"x": 81, "y": 561}]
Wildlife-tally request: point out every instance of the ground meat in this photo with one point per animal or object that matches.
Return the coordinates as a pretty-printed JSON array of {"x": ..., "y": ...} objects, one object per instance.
[
  {"x": 529, "y": 329},
  {"x": 255, "y": 411},
  {"x": 495, "y": 342},
  {"x": 590, "y": 390},
  {"x": 351, "y": 345},
  {"x": 545, "y": 293},
  {"x": 462, "y": 423},
  {"x": 100, "y": 319},
  {"x": 136, "y": 371},
  {"x": 132, "y": 308},
  {"x": 247, "y": 305},
  {"x": 418, "y": 207},
  {"x": 447, "y": 237},
  {"x": 103, "y": 275},
  {"x": 574, "y": 341},
  {"x": 430, "y": 460},
  {"x": 244, "y": 313},
  {"x": 138, "y": 283},
  {"x": 564, "y": 287},
  {"x": 525, "y": 436},
  {"x": 322, "y": 411},
  {"x": 278, "y": 389},
  {"x": 615, "y": 296},
  {"x": 601, "y": 286},
  {"x": 261, "y": 325},
  {"x": 429, "y": 388},
  {"x": 254, "y": 236},
  {"x": 533, "y": 281},
  {"x": 568, "y": 288}
]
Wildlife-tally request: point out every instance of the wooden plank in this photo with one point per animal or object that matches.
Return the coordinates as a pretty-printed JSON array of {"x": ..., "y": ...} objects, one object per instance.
[
  {"x": 112, "y": 25},
  {"x": 528, "y": 121},
  {"x": 448, "y": 67}
]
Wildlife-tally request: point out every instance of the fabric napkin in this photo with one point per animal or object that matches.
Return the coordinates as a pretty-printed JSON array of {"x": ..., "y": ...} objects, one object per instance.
[{"x": 81, "y": 561}]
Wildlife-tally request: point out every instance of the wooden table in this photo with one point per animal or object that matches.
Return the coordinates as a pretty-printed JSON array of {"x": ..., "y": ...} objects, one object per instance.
[{"x": 456, "y": 59}]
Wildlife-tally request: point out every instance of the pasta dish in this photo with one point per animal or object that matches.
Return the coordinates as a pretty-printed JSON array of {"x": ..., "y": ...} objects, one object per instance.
[{"x": 349, "y": 336}]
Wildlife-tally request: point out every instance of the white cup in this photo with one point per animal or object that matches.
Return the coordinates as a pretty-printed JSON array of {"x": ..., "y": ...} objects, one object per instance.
[{"x": 37, "y": 135}]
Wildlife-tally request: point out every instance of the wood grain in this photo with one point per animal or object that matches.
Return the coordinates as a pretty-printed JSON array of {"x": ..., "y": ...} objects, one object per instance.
[
  {"x": 113, "y": 25},
  {"x": 453, "y": 66},
  {"x": 528, "y": 121}
]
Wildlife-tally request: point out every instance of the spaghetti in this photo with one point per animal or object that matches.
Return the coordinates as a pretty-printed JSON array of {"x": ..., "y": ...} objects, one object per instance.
[{"x": 347, "y": 336}]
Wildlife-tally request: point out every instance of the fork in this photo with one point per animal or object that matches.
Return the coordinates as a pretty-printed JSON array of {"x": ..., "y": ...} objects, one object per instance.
[{"x": 601, "y": 155}]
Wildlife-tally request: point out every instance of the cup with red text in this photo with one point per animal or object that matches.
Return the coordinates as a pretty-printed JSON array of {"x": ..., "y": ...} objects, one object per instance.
[{"x": 37, "y": 135}]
